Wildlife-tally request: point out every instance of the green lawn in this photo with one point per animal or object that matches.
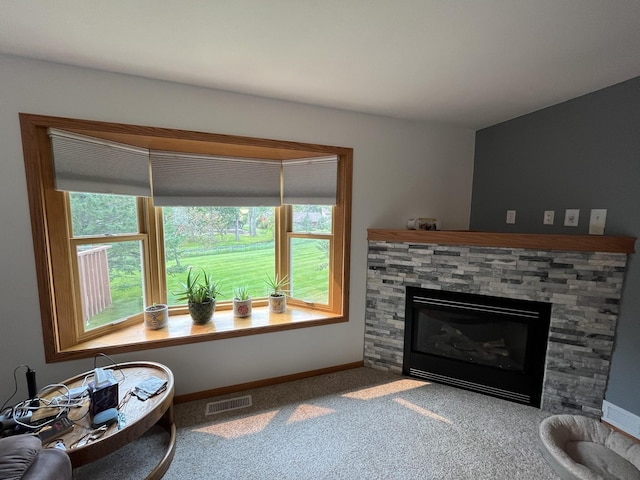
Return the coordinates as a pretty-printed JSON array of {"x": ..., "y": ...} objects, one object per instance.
[{"x": 247, "y": 266}]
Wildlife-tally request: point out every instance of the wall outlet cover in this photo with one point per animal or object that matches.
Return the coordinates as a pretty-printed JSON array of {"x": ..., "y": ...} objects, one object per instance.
[
  {"x": 571, "y": 216},
  {"x": 549, "y": 217},
  {"x": 597, "y": 221},
  {"x": 511, "y": 216}
]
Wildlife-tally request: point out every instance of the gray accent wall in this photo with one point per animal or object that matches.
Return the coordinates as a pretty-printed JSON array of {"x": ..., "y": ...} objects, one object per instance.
[{"x": 580, "y": 154}]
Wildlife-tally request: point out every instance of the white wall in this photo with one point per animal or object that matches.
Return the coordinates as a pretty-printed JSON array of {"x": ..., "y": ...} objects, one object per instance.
[{"x": 401, "y": 169}]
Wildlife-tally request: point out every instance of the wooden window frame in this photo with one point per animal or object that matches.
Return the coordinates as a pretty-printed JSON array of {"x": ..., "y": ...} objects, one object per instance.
[{"x": 51, "y": 231}]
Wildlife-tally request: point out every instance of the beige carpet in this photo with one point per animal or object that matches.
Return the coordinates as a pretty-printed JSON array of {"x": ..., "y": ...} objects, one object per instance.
[{"x": 357, "y": 424}]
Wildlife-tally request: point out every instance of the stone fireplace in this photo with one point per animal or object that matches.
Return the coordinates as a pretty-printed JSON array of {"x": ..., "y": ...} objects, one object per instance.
[{"x": 580, "y": 276}]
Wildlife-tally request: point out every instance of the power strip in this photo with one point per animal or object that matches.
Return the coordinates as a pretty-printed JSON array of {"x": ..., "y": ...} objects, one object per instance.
[{"x": 8, "y": 422}]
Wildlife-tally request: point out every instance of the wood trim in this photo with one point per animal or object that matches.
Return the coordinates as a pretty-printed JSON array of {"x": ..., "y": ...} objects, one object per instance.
[
  {"x": 622, "y": 432},
  {"x": 51, "y": 247},
  {"x": 187, "y": 140},
  {"x": 39, "y": 228},
  {"x": 343, "y": 247},
  {"x": 189, "y": 397},
  {"x": 567, "y": 243},
  {"x": 198, "y": 333},
  {"x": 156, "y": 275}
]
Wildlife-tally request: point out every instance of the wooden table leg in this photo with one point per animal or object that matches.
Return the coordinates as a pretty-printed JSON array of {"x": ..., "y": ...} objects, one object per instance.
[{"x": 166, "y": 422}]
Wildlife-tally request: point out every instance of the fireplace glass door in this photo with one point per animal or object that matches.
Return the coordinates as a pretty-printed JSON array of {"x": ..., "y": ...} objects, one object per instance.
[
  {"x": 484, "y": 339},
  {"x": 483, "y": 343}
]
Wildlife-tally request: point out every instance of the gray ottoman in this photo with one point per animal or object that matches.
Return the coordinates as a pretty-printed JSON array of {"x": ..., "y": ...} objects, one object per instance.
[{"x": 582, "y": 448}]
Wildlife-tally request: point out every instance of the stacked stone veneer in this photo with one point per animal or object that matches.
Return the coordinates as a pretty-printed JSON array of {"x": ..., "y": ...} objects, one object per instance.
[{"x": 583, "y": 288}]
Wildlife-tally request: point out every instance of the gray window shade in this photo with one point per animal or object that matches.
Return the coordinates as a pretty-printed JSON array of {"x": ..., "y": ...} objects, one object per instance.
[
  {"x": 198, "y": 180},
  {"x": 310, "y": 181},
  {"x": 87, "y": 164}
]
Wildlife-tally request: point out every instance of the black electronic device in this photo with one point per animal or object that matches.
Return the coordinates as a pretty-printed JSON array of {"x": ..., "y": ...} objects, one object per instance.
[
  {"x": 58, "y": 427},
  {"x": 103, "y": 398},
  {"x": 32, "y": 386},
  {"x": 17, "y": 419}
]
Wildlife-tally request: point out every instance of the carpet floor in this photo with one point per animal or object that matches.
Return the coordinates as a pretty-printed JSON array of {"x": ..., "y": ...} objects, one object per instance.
[{"x": 356, "y": 424}]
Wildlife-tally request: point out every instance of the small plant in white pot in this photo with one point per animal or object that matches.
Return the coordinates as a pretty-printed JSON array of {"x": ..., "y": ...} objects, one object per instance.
[
  {"x": 277, "y": 293},
  {"x": 156, "y": 316},
  {"x": 241, "y": 302}
]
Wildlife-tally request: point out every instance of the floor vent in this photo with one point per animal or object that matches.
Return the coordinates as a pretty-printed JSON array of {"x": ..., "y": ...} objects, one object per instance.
[{"x": 228, "y": 405}]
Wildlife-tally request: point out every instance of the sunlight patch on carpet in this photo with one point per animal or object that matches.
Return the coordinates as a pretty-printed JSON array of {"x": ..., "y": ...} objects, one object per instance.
[
  {"x": 420, "y": 410},
  {"x": 386, "y": 389},
  {"x": 240, "y": 427},
  {"x": 308, "y": 412}
]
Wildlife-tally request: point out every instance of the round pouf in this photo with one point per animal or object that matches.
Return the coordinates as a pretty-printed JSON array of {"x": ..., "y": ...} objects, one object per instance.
[{"x": 582, "y": 448}]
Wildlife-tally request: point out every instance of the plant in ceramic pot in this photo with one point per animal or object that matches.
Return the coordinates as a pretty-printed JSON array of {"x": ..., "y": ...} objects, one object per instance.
[
  {"x": 277, "y": 292},
  {"x": 241, "y": 302},
  {"x": 156, "y": 316},
  {"x": 200, "y": 291}
]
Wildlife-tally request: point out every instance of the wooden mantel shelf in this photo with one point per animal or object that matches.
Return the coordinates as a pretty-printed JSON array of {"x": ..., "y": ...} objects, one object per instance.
[{"x": 567, "y": 243}]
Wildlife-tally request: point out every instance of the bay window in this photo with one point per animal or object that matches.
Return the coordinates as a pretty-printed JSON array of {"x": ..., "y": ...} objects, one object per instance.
[{"x": 120, "y": 212}]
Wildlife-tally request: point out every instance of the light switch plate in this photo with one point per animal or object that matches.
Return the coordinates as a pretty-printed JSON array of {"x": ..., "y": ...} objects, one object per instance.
[
  {"x": 571, "y": 216},
  {"x": 597, "y": 221}
]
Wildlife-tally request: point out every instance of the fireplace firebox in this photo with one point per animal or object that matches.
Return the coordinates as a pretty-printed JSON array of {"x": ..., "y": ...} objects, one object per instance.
[{"x": 492, "y": 345}]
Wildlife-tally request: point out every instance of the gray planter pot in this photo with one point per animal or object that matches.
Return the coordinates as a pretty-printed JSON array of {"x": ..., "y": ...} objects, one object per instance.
[{"x": 202, "y": 313}]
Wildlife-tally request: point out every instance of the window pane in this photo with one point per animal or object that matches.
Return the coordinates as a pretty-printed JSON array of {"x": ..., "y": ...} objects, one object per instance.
[
  {"x": 311, "y": 218},
  {"x": 234, "y": 244},
  {"x": 111, "y": 282},
  {"x": 101, "y": 214},
  {"x": 310, "y": 270}
]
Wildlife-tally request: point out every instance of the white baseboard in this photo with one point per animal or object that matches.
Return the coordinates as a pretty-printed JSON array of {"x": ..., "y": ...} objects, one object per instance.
[{"x": 620, "y": 418}]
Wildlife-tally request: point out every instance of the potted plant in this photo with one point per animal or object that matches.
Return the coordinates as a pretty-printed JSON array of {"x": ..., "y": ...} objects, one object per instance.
[
  {"x": 200, "y": 291},
  {"x": 156, "y": 316},
  {"x": 241, "y": 302},
  {"x": 277, "y": 293}
]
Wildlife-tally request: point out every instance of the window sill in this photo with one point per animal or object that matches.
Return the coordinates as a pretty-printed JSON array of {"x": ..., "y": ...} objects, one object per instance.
[{"x": 182, "y": 331}]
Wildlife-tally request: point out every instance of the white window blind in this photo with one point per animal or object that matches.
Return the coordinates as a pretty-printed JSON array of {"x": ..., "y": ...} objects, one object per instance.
[
  {"x": 88, "y": 164},
  {"x": 310, "y": 181},
  {"x": 203, "y": 180}
]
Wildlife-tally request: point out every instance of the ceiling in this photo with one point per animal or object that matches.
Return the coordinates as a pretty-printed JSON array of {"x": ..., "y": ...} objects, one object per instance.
[{"x": 470, "y": 63}]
